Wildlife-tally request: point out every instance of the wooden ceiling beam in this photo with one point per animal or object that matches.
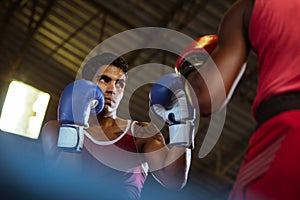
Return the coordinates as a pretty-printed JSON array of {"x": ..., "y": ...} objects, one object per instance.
[{"x": 28, "y": 39}]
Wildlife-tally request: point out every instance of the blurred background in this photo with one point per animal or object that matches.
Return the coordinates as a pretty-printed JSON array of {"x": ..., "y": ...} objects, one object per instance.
[{"x": 42, "y": 46}]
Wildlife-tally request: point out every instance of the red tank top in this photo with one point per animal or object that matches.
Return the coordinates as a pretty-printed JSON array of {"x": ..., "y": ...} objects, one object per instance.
[
  {"x": 117, "y": 166},
  {"x": 274, "y": 35}
]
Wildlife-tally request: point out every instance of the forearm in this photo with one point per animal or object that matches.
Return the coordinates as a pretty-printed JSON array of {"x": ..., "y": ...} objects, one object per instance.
[
  {"x": 214, "y": 83},
  {"x": 170, "y": 103},
  {"x": 174, "y": 174},
  {"x": 211, "y": 94}
]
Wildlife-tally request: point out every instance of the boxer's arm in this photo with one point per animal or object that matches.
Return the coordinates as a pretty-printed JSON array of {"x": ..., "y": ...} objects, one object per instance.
[
  {"x": 49, "y": 137},
  {"x": 170, "y": 166},
  {"x": 52, "y": 157},
  {"x": 229, "y": 56},
  {"x": 175, "y": 164}
]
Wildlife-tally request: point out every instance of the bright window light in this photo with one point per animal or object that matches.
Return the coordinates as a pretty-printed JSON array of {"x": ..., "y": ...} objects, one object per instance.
[{"x": 24, "y": 110}]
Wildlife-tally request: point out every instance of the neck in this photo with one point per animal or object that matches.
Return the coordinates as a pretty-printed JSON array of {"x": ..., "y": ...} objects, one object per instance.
[
  {"x": 109, "y": 122},
  {"x": 101, "y": 118},
  {"x": 109, "y": 115}
]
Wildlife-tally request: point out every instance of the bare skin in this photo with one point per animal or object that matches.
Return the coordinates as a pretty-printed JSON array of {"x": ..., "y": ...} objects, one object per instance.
[{"x": 229, "y": 56}]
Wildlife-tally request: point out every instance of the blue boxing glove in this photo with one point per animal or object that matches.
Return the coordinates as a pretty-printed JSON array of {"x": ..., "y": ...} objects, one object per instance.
[
  {"x": 168, "y": 101},
  {"x": 77, "y": 101}
]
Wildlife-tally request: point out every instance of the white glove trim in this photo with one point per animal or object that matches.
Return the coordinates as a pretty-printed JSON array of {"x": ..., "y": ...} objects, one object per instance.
[
  {"x": 182, "y": 134},
  {"x": 71, "y": 137}
]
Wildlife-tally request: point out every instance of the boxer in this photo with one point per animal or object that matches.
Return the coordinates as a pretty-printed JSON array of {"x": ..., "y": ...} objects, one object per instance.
[
  {"x": 119, "y": 152},
  {"x": 270, "y": 167}
]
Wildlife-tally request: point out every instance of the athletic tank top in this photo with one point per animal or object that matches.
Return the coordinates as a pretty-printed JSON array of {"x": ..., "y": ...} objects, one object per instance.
[
  {"x": 274, "y": 35},
  {"x": 116, "y": 167}
]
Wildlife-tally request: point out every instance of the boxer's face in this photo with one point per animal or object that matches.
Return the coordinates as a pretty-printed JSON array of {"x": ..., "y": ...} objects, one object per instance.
[{"x": 112, "y": 81}]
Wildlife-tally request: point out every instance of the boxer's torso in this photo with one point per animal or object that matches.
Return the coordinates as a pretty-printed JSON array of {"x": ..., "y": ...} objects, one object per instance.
[
  {"x": 273, "y": 33},
  {"x": 115, "y": 162}
]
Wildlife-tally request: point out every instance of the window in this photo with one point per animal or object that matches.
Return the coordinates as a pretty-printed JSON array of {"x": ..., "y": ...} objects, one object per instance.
[{"x": 24, "y": 110}]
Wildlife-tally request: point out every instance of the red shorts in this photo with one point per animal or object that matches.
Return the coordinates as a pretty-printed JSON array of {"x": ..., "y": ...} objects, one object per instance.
[{"x": 271, "y": 169}]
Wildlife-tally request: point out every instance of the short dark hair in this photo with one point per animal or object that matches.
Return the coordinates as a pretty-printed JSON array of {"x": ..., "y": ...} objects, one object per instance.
[{"x": 92, "y": 65}]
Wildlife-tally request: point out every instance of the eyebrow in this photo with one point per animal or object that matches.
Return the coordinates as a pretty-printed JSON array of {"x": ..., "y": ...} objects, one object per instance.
[
  {"x": 107, "y": 77},
  {"x": 103, "y": 76}
]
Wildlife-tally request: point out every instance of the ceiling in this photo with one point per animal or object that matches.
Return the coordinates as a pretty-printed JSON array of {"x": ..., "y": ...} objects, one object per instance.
[{"x": 44, "y": 43}]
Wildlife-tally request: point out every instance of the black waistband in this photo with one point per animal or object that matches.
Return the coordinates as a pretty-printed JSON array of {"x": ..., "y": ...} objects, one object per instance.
[{"x": 277, "y": 104}]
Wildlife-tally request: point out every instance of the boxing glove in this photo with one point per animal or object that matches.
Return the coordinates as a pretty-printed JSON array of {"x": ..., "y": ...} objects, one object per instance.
[
  {"x": 77, "y": 101},
  {"x": 195, "y": 54},
  {"x": 168, "y": 101}
]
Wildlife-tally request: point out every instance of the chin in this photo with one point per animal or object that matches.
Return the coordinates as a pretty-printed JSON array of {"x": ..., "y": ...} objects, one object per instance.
[{"x": 109, "y": 111}]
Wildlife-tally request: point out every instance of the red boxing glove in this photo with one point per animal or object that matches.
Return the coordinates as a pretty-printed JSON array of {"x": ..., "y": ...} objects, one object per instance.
[{"x": 195, "y": 54}]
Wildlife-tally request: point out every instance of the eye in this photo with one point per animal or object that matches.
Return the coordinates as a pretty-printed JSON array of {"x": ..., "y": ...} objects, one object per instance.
[
  {"x": 120, "y": 84},
  {"x": 103, "y": 79}
]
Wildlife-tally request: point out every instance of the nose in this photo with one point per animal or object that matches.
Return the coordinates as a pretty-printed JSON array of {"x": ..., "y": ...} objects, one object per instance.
[{"x": 111, "y": 87}]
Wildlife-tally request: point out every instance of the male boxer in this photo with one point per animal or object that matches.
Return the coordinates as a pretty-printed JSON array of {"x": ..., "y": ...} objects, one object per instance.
[
  {"x": 269, "y": 28},
  {"x": 114, "y": 151}
]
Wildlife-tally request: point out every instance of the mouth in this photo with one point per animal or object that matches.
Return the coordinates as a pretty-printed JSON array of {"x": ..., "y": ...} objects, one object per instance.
[{"x": 109, "y": 101}]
